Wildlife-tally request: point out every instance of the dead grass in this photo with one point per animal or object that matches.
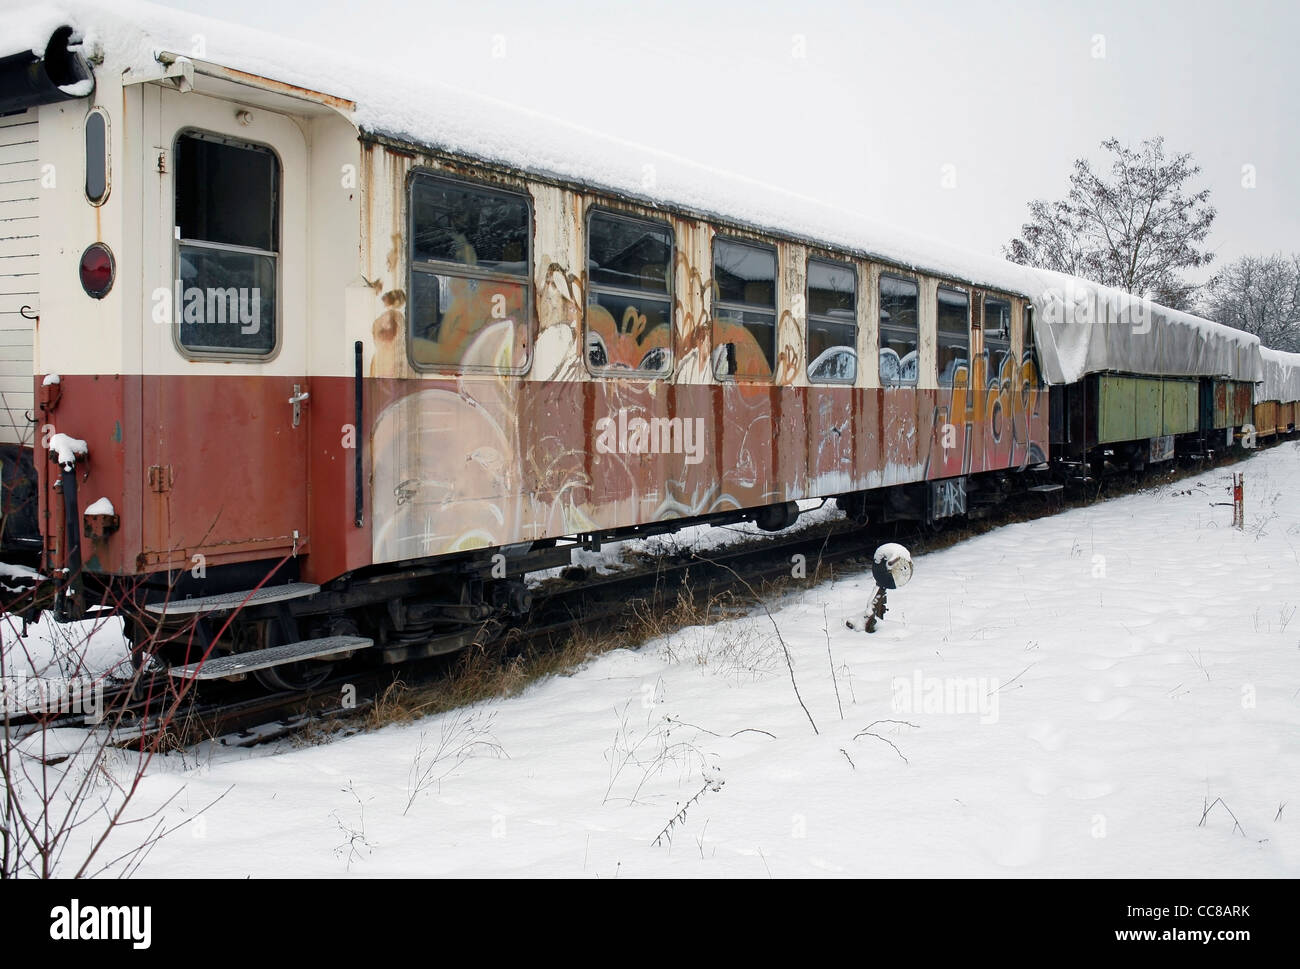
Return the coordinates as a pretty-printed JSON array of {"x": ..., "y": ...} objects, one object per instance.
[{"x": 500, "y": 669}]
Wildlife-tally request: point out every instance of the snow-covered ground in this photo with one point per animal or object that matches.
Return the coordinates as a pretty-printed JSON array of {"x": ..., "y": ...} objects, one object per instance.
[{"x": 1073, "y": 692}]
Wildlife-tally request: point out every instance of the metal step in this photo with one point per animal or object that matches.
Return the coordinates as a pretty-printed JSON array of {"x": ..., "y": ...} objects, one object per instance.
[
  {"x": 236, "y": 664},
  {"x": 233, "y": 600},
  {"x": 1047, "y": 488}
]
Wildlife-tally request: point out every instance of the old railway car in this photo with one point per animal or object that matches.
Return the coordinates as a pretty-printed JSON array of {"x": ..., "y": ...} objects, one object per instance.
[
  {"x": 356, "y": 358},
  {"x": 1277, "y": 393}
]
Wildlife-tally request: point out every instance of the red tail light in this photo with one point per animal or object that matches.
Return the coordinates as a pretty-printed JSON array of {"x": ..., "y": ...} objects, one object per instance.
[{"x": 97, "y": 270}]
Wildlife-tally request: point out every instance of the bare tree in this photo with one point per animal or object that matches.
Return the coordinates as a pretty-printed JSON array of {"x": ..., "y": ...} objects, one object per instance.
[
  {"x": 1136, "y": 228},
  {"x": 1261, "y": 295},
  {"x": 72, "y": 755}
]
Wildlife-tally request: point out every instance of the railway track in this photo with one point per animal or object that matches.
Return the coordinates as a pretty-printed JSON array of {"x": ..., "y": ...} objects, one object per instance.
[{"x": 150, "y": 712}]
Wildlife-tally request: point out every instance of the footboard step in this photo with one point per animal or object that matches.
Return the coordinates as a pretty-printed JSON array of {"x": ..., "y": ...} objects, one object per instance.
[
  {"x": 233, "y": 600},
  {"x": 1044, "y": 489},
  {"x": 237, "y": 664}
]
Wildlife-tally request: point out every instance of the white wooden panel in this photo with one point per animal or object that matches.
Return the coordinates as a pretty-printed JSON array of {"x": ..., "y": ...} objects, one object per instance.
[
  {"x": 21, "y": 189},
  {"x": 18, "y": 134},
  {"x": 19, "y": 268},
  {"x": 19, "y": 264}
]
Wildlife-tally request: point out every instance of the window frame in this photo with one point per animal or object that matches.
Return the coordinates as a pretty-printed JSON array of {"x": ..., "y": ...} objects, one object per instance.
[
  {"x": 670, "y": 294},
  {"x": 985, "y": 299},
  {"x": 468, "y": 272},
  {"x": 1029, "y": 342},
  {"x": 715, "y": 303},
  {"x": 852, "y": 269},
  {"x": 969, "y": 294},
  {"x": 880, "y": 332},
  {"x": 230, "y": 355}
]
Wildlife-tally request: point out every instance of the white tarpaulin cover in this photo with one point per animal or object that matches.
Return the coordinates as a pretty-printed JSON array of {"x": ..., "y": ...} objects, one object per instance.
[
  {"x": 1127, "y": 336},
  {"x": 1281, "y": 379},
  {"x": 1091, "y": 328}
]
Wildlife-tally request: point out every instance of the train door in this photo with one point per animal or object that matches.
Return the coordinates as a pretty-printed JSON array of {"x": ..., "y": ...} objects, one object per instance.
[{"x": 225, "y": 398}]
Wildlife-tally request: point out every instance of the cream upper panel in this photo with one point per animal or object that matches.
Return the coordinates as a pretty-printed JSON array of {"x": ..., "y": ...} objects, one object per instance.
[
  {"x": 168, "y": 114},
  {"x": 78, "y": 334}
]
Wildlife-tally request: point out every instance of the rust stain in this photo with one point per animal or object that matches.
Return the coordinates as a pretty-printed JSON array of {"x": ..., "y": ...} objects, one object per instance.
[
  {"x": 387, "y": 332},
  {"x": 394, "y": 252},
  {"x": 281, "y": 87}
]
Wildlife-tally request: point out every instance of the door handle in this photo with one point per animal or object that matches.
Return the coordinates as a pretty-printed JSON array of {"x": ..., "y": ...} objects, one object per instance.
[{"x": 299, "y": 395}]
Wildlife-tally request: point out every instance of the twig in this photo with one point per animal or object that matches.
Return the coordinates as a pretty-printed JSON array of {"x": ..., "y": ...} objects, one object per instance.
[
  {"x": 1012, "y": 680},
  {"x": 867, "y": 732},
  {"x": 826, "y": 628},
  {"x": 682, "y": 723},
  {"x": 1236, "y": 825},
  {"x": 680, "y": 816},
  {"x": 784, "y": 648}
]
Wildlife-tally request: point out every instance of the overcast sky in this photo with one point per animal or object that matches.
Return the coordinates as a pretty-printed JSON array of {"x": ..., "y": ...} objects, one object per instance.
[{"x": 865, "y": 105}]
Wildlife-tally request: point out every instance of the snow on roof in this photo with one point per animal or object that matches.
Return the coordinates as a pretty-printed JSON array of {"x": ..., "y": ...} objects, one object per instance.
[
  {"x": 1281, "y": 377},
  {"x": 429, "y": 113}
]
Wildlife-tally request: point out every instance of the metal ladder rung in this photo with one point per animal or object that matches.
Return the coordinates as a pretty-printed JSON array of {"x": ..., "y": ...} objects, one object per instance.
[
  {"x": 233, "y": 600},
  {"x": 236, "y": 664}
]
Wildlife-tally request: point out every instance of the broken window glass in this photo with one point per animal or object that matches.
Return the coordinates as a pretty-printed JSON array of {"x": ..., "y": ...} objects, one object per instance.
[
  {"x": 629, "y": 299},
  {"x": 470, "y": 281},
  {"x": 227, "y": 198},
  {"x": 899, "y": 331},
  {"x": 954, "y": 333},
  {"x": 832, "y": 322},
  {"x": 744, "y": 310}
]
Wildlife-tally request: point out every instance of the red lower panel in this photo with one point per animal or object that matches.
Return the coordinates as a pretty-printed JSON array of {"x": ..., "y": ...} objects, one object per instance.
[{"x": 213, "y": 466}]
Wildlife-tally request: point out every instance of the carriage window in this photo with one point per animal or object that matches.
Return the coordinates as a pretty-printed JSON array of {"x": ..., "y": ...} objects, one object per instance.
[
  {"x": 744, "y": 310},
  {"x": 832, "y": 322},
  {"x": 470, "y": 285},
  {"x": 954, "y": 333},
  {"x": 997, "y": 331},
  {"x": 629, "y": 296},
  {"x": 899, "y": 331},
  {"x": 227, "y": 227},
  {"x": 1031, "y": 350}
]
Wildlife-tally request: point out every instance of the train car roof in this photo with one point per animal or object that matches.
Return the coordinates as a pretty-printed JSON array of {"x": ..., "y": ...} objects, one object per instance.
[
  {"x": 1281, "y": 376},
  {"x": 1088, "y": 328}
]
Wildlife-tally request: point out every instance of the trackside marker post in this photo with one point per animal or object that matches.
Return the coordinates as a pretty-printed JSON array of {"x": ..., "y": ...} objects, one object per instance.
[{"x": 891, "y": 567}]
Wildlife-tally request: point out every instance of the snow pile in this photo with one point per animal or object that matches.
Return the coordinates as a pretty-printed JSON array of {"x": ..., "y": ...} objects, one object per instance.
[
  {"x": 50, "y": 380},
  {"x": 78, "y": 89},
  {"x": 619, "y": 556},
  {"x": 22, "y": 572},
  {"x": 409, "y": 106},
  {"x": 77, "y": 652},
  {"x": 101, "y": 507},
  {"x": 892, "y": 566},
  {"x": 67, "y": 449}
]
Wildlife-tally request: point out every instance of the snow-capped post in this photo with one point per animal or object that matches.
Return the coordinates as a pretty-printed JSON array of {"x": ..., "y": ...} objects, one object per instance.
[
  {"x": 1239, "y": 500},
  {"x": 891, "y": 567},
  {"x": 65, "y": 451},
  {"x": 100, "y": 520}
]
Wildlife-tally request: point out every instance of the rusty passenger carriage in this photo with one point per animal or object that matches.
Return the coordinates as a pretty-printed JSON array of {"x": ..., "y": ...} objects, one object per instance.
[{"x": 358, "y": 383}]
